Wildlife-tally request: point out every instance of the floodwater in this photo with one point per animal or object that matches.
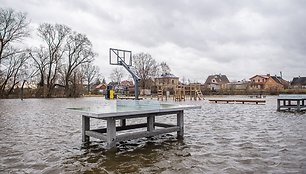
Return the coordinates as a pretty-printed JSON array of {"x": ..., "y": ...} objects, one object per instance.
[{"x": 42, "y": 136}]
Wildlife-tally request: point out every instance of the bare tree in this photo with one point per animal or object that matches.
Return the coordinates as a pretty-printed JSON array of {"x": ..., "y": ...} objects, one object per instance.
[
  {"x": 13, "y": 27},
  {"x": 165, "y": 69},
  {"x": 90, "y": 73},
  {"x": 40, "y": 61},
  {"x": 146, "y": 68},
  {"x": 54, "y": 37},
  {"x": 116, "y": 75},
  {"x": 79, "y": 51},
  {"x": 13, "y": 73}
]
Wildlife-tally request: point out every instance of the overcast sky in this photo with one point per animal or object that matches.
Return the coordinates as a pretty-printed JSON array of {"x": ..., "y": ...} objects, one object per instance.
[{"x": 197, "y": 38}]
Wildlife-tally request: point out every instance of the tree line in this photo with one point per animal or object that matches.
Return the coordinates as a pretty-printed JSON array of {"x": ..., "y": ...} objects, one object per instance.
[
  {"x": 61, "y": 64},
  {"x": 64, "y": 58}
]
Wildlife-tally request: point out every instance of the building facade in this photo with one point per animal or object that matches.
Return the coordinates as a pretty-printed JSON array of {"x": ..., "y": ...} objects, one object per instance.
[
  {"x": 298, "y": 83},
  {"x": 216, "y": 82},
  {"x": 268, "y": 82}
]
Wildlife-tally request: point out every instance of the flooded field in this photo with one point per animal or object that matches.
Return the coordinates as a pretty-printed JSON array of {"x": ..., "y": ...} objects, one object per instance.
[{"x": 42, "y": 136}]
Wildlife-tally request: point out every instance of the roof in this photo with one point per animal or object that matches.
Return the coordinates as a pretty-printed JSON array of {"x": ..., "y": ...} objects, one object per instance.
[
  {"x": 262, "y": 76},
  {"x": 298, "y": 81},
  {"x": 167, "y": 75},
  {"x": 219, "y": 79},
  {"x": 279, "y": 80},
  {"x": 102, "y": 85}
]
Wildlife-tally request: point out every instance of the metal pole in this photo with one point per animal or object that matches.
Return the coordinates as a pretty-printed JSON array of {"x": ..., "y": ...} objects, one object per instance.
[{"x": 136, "y": 88}]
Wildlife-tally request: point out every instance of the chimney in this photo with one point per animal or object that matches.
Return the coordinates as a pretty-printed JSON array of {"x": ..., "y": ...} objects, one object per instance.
[{"x": 268, "y": 75}]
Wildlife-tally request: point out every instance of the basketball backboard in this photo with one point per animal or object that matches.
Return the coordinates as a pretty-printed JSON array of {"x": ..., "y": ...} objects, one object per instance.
[{"x": 117, "y": 56}]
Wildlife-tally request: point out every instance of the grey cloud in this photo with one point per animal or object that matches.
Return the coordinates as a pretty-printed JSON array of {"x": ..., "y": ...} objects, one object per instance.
[{"x": 236, "y": 37}]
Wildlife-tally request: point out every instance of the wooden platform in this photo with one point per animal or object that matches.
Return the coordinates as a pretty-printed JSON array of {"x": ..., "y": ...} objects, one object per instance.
[
  {"x": 291, "y": 103},
  {"x": 241, "y": 101}
]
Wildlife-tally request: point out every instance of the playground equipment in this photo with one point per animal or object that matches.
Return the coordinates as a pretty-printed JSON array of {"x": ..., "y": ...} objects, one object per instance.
[
  {"x": 110, "y": 93},
  {"x": 194, "y": 91},
  {"x": 179, "y": 93},
  {"x": 124, "y": 58},
  {"x": 160, "y": 93}
]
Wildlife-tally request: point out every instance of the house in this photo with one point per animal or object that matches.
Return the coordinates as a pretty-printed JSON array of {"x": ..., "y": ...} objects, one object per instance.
[
  {"x": 216, "y": 82},
  {"x": 100, "y": 88},
  {"x": 298, "y": 83},
  {"x": 239, "y": 85},
  {"x": 259, "y": 81},
  {"x": 276, "y": 83},
  {"x": 268, "y": 82},
  {"x": 167, "y": 81}
]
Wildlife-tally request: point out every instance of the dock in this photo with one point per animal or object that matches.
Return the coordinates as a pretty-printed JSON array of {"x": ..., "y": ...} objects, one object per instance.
[
  {"x": 240, "y": 101},
  {"x": 291, "y": 103}
]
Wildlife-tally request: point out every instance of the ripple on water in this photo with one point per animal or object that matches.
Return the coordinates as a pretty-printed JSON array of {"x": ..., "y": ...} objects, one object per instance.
[{"x": 41, "y": 136}]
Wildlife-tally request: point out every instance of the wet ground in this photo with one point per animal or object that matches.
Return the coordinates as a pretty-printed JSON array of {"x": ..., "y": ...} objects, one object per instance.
[{"x": 42, "y": 136}]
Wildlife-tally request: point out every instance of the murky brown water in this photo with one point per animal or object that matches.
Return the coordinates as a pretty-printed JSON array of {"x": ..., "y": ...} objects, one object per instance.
[{"x": 42, "y": 136}]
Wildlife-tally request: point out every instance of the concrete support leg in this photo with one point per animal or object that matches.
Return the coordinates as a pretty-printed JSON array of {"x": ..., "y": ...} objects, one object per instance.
[
  {"x": 150, "y": 123},
  {"x": 85, "y": 127},
  {"x": 111, "y": 133},
  {"x": 278, "y": 104},
  {"x": 180, "y": 124},
  {"x": 123, "y": 122}
]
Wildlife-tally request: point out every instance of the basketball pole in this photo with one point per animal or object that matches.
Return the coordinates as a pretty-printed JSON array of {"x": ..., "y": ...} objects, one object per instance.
[{"x": 121, "y": 61}]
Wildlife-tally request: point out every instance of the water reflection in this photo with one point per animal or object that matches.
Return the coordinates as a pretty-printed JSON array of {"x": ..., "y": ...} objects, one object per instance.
[{"x": 134, "y": 156}]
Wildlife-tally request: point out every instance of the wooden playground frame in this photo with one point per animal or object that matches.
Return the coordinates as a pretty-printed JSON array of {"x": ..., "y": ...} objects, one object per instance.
[{"x": 193, "y": 91}]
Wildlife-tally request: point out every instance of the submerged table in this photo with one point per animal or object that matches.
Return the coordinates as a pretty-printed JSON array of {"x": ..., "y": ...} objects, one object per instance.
[
  {"x": 291, "y": 102},
  {"x": 122, "y": 110}
]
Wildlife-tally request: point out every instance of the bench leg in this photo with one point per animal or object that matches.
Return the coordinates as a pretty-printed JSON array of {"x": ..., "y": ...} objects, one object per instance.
[
  {"x": 278, "y": 105},
  {"x": 123, "y": 122},
  {"x": 150, "y": 123},
  {"x": 111, "y": 133},
  {"x": 85, "y": 127},
  {"x": 180, "y": 124}
]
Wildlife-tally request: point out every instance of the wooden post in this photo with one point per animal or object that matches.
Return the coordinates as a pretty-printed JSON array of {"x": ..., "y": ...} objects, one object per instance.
[
  {"x": 180, "y": 124},
  {"x": 278, "y": 104},
  {"x": 85, "y": 127},
  {"x": 111, "y": 133},
  {"x": 150, "y": 123}
]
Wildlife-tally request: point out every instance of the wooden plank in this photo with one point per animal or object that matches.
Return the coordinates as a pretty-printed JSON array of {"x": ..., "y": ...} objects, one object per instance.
[
  {"x": 237, "y": 101},
  {"x": 135, "y": 135}
]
